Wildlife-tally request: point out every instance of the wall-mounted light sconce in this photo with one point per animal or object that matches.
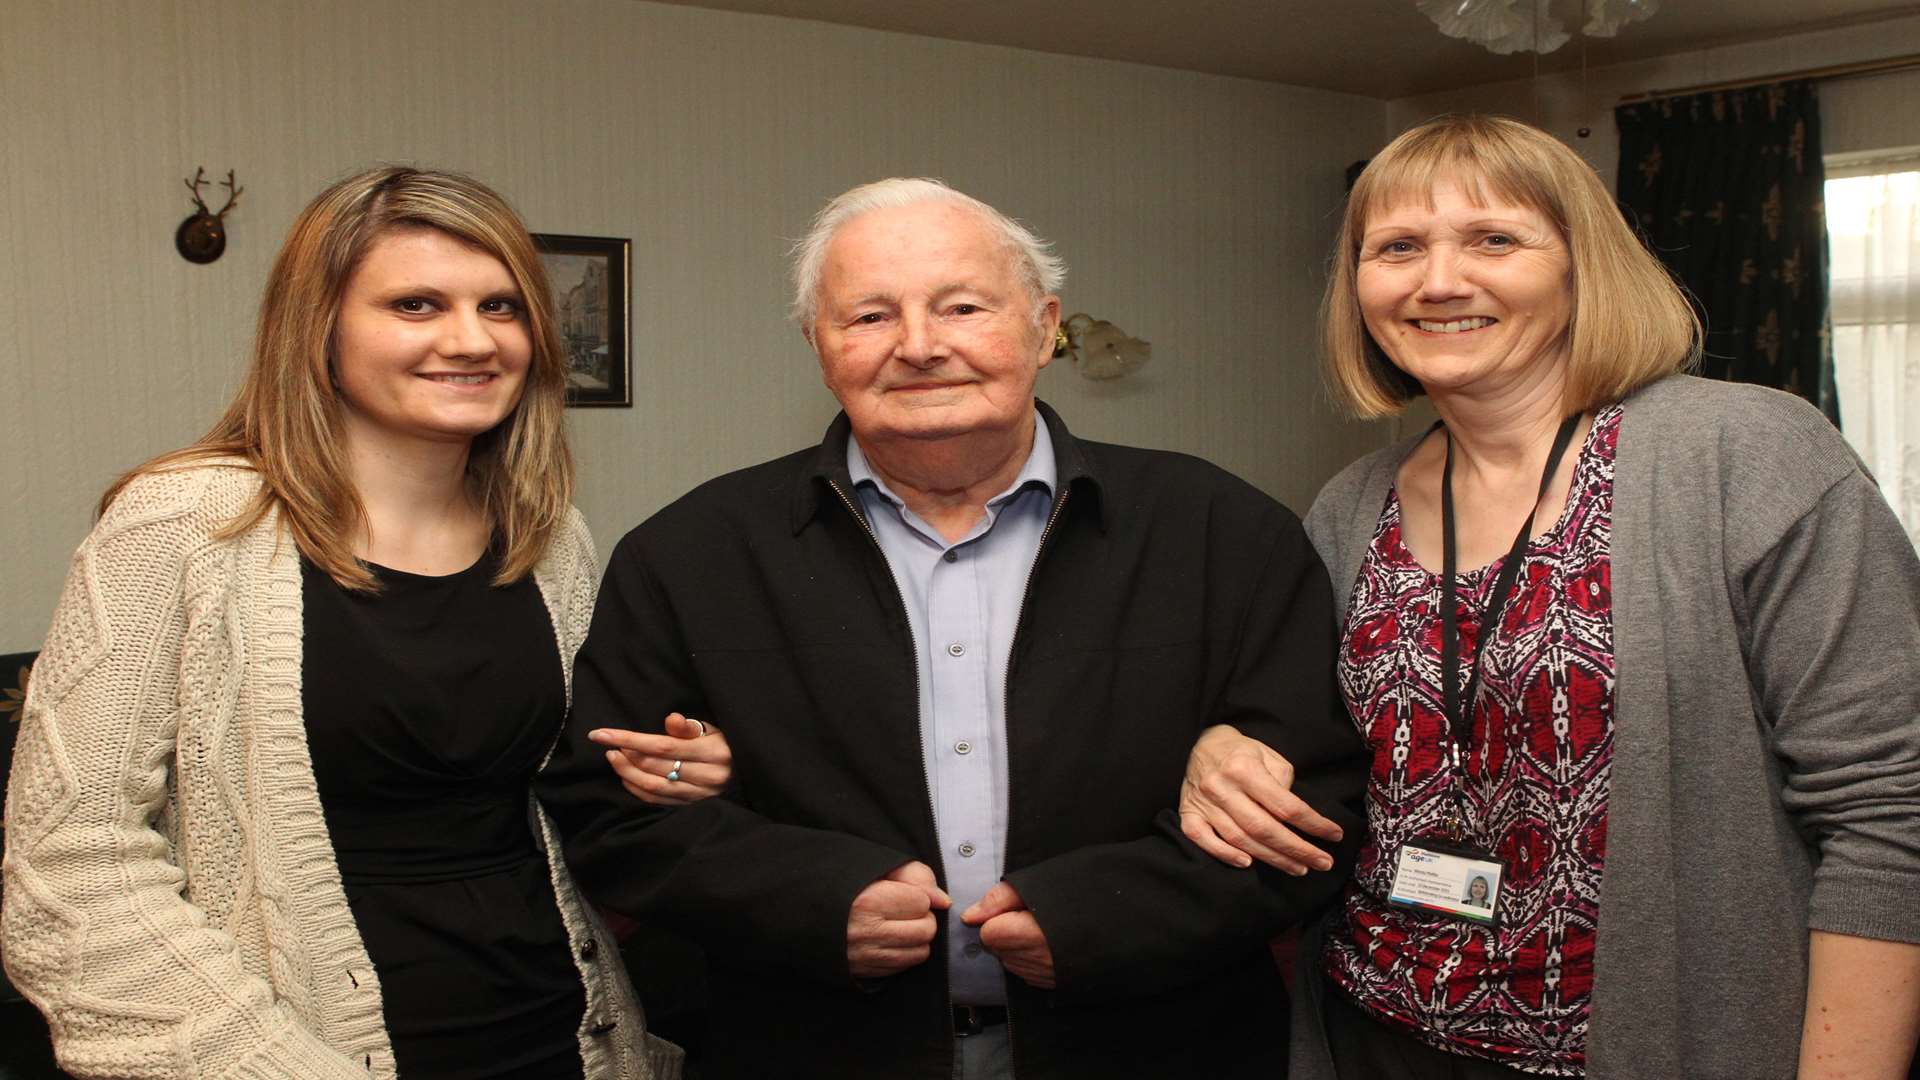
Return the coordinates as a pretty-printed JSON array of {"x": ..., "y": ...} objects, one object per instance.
[{"x": 1099, "y": 349}]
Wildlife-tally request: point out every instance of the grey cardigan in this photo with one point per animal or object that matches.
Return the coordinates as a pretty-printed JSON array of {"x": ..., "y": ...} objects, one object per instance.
[{"x": 1766, "y": 771}]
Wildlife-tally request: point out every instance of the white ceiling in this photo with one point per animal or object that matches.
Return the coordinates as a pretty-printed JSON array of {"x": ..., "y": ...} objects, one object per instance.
[{"x": 1379, "y": 48}]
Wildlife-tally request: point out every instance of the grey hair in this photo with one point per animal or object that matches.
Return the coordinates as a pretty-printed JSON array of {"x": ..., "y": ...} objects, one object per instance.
[{"x": 1041, "y": 271}]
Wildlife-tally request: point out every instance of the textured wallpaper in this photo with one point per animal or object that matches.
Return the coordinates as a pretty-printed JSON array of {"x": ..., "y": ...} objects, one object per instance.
[{"x": 1194, "y": 211}]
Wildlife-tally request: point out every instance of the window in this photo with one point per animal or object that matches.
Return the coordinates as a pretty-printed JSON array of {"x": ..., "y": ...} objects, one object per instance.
[{"x": 1873, "y": 227}]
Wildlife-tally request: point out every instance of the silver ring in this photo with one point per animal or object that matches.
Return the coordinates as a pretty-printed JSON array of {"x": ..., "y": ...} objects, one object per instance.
[{"x": 674, "y": 773}]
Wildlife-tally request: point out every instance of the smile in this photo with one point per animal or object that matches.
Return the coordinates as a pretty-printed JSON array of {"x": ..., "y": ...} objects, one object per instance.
[
  {"x": 1455, "y": 326},
  {"x": 460, "y": 380}
]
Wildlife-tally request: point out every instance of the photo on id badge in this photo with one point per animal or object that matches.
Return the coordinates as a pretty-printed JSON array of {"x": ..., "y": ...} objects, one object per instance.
[{"x": 1463, "y": 884}]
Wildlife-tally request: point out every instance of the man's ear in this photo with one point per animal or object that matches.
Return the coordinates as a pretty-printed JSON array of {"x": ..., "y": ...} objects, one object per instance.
[
  {"x": 806, "y": 335},
  {"x": 1048, "y": 318}
]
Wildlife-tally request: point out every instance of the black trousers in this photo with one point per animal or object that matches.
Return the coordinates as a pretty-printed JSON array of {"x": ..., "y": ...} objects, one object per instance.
[{"x": 1365, "y": 1049}]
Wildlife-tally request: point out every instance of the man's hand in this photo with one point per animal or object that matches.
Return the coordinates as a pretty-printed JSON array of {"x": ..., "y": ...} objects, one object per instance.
[
  {"x": 1010, "y": 932},
  {"x": 692, "y": 749},
  {"x": 1237, "y": 800},
  {"x": 891, "y": 925}
]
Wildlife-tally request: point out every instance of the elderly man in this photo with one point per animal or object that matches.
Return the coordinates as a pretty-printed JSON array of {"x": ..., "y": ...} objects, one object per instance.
[{"x": 960, "y": 656}]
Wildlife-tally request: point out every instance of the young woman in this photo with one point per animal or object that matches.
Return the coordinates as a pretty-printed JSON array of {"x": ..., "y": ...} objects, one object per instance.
[{"x": 270, "y": 811}]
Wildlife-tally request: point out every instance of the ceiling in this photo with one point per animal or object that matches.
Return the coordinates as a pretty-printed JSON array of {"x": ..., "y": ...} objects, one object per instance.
[{"x": 1379, "y": 48}]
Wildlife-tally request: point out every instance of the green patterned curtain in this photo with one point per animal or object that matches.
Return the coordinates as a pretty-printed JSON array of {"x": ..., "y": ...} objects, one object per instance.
[{"x": 1729, "y": 188}]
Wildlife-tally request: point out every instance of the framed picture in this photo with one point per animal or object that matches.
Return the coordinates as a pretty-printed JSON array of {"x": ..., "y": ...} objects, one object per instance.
[{"x": 592, "y": 302}]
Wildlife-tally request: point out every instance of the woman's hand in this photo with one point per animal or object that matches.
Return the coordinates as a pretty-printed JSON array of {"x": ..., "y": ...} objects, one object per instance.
[
  {"x": 1237, "y": 801},
  {"x": 692, "y": 761}
]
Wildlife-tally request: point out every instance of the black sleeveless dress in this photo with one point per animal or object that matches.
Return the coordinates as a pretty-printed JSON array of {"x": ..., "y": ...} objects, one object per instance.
[{"x": 428, "y": 707}]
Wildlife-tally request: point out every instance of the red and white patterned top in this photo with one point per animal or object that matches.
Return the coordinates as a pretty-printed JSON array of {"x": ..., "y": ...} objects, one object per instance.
[{"x": 1536, "y": 779}]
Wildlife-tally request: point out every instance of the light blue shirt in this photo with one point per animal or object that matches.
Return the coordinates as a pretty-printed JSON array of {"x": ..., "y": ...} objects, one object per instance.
[{"x": 963, "y": 603}]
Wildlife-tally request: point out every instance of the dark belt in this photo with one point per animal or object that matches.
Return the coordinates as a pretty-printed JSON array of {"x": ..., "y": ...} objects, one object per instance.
[{"x": 974, "y": 1019}]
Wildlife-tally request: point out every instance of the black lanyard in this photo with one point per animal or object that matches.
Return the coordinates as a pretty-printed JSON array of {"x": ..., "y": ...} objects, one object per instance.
[{"x": 1460, "y": 706}]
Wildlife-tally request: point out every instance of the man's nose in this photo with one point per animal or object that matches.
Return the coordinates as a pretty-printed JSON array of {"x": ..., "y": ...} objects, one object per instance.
[{"x": 920, "y": 343}]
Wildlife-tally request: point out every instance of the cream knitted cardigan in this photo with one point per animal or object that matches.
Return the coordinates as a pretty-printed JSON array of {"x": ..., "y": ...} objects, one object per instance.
[{"x": 172, "y": 903}]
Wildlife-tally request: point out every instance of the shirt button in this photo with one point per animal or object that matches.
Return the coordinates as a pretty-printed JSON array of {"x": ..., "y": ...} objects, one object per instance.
[
  {"x": 963, "y": 747},
  {"x": 966, "y": 851},
  {"x": 952, "y": 556},
  {"x": 956, "y": 649}
]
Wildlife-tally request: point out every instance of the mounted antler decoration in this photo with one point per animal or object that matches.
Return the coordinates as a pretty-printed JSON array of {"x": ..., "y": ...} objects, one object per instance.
[{"x": 203, "y": 237}]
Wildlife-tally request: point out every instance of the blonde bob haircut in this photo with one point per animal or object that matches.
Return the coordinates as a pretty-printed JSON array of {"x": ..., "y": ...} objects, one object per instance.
[
  {"x": 286, "y": 422},
  {"x": 1631, "y": 324}
]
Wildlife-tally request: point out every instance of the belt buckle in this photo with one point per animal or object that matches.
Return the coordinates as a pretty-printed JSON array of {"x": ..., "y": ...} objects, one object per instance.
[{"x": 966, "y": 1021}]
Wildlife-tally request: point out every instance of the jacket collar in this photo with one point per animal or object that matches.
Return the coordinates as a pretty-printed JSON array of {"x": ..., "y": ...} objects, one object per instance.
[{"x": 826, "y": 468}]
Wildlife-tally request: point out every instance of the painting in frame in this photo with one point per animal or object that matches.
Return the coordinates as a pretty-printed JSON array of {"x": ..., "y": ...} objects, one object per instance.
[{"x": 592, "y": 305}]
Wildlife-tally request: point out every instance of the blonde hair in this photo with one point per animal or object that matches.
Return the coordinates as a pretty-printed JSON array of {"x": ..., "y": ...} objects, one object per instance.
[
  {"x": 1631, "y": 323},
  {"x": 286, "y": 421}
]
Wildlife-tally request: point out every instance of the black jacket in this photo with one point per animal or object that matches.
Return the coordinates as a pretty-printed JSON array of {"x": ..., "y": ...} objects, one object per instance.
[{"x": 1167, "y": 596}]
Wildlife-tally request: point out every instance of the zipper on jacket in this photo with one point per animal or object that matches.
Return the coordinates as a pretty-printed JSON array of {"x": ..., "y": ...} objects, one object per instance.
[
  {"x": 919, "y": 726},
  {"x": 1006, "y": 701}
]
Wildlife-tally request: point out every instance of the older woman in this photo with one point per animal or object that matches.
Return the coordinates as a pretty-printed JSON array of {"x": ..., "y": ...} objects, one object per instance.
[
  {"x": 269, "y": 814},
  {"x": 1639, "y": 651}
]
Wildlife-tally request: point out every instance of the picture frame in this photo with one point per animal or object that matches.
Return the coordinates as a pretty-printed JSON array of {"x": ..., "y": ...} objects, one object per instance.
[{"x": 592, "y": 304}]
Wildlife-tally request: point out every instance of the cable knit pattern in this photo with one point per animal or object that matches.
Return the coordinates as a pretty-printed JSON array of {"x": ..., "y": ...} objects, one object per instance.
[{"x": 172, "y": 903}]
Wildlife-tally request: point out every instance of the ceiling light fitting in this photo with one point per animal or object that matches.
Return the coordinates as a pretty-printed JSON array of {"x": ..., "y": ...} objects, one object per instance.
[{"x": 1511, "y": 26}]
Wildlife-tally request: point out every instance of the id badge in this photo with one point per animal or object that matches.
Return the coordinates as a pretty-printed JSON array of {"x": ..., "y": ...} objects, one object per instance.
[{"x": 1452, "y": 881}]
